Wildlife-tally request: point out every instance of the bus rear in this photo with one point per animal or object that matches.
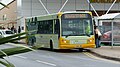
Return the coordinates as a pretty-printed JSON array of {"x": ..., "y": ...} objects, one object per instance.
[{"x": 76, "y": 31}]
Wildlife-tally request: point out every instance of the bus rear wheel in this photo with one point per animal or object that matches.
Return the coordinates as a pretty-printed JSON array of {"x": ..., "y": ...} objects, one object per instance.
[{"x": 80, "y": 49}]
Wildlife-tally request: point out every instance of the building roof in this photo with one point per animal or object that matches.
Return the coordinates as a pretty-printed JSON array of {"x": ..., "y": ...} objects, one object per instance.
[{"x": 109, "y": 16}]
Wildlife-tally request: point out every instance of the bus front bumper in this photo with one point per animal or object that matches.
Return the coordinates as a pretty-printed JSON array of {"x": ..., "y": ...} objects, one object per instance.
[{"x": 77, "y": 46}]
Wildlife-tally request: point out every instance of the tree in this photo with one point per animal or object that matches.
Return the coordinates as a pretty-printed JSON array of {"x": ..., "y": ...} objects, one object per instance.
[{"x": 16, "y": 50}]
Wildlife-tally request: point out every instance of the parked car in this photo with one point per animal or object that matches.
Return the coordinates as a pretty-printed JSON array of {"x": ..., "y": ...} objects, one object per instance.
[
  {"x": 107, "y": 36},
  {"x": 0, "y": 36},
  {"x": 5, "y": 33}
]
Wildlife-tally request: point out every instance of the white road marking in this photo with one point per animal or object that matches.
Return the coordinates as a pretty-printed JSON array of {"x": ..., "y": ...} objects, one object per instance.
[
  {"x": 46, "y": 63},
  {"x": 20, "y": 56},
  {"x": 51, "y": 64}
]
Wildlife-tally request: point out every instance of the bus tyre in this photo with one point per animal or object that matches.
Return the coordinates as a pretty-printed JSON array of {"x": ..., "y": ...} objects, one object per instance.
[
  {"x": 80, "y": 49},
  {"x": 51, "y": 45}
]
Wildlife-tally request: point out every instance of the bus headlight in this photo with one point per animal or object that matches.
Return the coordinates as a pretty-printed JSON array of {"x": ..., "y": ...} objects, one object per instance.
[
  {"x": 89, "y": 40},
  {"x": 64, "y": 41}
]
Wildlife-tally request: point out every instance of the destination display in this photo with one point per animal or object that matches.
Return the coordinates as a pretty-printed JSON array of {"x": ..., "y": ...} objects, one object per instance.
[{"x": 67, "y": 16}]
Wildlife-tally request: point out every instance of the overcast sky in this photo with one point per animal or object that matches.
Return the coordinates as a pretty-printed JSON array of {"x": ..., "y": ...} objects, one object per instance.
[{"x": 5, "y": 2}]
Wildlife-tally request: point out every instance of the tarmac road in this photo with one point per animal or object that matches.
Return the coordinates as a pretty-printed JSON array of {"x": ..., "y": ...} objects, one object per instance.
[{"x": 70, "y": 58}]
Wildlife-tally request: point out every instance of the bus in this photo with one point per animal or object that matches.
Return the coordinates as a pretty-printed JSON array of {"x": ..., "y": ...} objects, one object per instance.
[{"x": 63, "y": 30}]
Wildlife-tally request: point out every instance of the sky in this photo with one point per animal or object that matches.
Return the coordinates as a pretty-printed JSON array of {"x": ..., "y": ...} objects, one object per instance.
[{"x": 5, "y": 2}]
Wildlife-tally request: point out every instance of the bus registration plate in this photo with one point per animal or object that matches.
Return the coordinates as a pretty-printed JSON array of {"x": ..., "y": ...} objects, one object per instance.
[{"x": 77, "y": 42}]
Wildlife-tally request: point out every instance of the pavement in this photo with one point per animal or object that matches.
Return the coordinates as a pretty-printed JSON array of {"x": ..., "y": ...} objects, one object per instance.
[{"x": 107, "y": 52}]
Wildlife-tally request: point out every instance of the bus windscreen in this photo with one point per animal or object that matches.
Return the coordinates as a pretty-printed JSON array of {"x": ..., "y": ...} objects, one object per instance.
[{"x": 78, "y": 24}]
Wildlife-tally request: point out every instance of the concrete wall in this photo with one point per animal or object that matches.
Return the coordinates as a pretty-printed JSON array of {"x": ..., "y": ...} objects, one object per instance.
[{"x": 34, "y": 7}]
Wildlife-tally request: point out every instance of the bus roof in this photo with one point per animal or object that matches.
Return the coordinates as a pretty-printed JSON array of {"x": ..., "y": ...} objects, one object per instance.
[{"x": 54, "y": 15}]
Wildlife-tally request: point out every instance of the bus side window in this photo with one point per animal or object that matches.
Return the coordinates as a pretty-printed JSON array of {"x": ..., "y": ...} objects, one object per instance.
[
  {"x": 45, "y": 27},
  {"x": 40, "y": 27},
  {"x": 57, "y": 26},
  {"x": 50, "y": 27}
]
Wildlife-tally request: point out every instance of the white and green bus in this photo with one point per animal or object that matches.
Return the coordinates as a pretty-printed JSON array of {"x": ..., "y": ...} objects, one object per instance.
[{"x": 64, "y": 30}]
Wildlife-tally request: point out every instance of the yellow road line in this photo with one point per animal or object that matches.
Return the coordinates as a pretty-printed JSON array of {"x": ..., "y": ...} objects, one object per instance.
[{"x": 98, "y": 58}]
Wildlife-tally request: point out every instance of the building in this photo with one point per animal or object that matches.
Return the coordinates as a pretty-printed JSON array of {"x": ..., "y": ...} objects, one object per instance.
[{"x": 8, "y": 16}]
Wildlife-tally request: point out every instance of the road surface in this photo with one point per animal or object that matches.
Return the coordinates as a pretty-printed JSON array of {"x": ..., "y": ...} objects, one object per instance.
[{"x": 70, "y": 58}]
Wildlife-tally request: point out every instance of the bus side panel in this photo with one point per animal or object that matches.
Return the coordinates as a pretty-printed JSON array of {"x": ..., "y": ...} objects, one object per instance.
[{"x": 43, "y": 40}]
